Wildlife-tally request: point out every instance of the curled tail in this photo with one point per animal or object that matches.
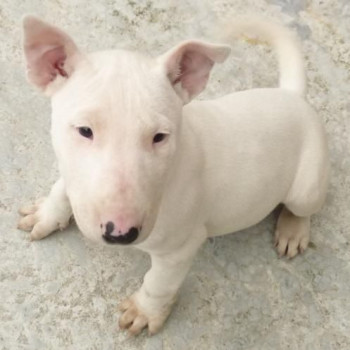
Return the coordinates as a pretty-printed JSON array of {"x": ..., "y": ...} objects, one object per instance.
[{"x": 285, "y": 43}]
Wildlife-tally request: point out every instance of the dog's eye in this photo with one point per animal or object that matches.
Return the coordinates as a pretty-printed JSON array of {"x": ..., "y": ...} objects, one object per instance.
[
  {"x": 86, "y": 132},
  {"x": 159, "y": 137}
]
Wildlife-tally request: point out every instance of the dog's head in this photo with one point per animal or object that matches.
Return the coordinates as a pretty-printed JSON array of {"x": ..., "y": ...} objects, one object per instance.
[{"x": 116, "y": 122}]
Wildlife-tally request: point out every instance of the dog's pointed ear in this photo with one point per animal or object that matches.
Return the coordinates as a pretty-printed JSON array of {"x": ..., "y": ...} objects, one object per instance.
[
  {"x": 188, "y": 66},
  {"x": 50, "y": 54}
]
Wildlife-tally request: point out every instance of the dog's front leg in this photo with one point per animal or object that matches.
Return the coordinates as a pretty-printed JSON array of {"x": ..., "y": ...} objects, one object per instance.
[
  {"x": 48, "y": 214},
  {"x": 152, "y": 303}
]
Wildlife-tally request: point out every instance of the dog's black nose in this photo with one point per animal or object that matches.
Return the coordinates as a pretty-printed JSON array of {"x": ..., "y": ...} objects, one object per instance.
[{"x": 126, "y": 238}]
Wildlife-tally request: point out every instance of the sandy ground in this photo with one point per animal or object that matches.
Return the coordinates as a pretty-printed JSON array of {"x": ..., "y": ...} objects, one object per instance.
[{"x": 62, "y": 292}]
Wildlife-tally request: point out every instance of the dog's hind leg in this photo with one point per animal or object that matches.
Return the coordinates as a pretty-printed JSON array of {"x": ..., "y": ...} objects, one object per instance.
[
  {"x": 293, "y": 226},
  {"x": 47, "y": 215},
  {"x": 292, "y": 233},
  {"x": 305, "y": 198}
]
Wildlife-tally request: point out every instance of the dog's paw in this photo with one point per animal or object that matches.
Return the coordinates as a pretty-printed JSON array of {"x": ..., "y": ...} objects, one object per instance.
[
  {"x": 292, "y": 234},
  {"x": 134, "y": 318},
  {"x": 40, "y": 221}
]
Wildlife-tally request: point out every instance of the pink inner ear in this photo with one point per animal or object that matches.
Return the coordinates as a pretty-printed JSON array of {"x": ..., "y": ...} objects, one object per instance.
[
  {"x": 44, "y": 68},
  {"x": 194, "y": 69},
  {"x": 49, "y": 52},
  {"x": 56, "y": 57},
  {"x": 188, "y": 66}
]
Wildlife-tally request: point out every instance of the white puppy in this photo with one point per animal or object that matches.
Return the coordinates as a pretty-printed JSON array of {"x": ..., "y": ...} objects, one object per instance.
[{"x": 140, "y": 164}]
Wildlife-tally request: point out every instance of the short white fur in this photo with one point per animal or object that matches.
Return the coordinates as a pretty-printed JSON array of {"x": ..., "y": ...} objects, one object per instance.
[{"x": 225, "y": 165}]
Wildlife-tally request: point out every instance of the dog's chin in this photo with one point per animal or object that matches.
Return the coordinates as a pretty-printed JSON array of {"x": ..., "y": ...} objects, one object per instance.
[
  {"x": 92, "y": 234},
  {"x": 93, "y": 237}
]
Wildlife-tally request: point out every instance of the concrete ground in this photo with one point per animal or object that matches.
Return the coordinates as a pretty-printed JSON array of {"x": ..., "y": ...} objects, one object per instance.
[{"x": 62, "y": 292}]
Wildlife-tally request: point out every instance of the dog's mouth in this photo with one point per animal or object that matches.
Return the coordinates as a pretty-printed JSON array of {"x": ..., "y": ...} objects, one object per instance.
[{"x": 109, "y": 233}]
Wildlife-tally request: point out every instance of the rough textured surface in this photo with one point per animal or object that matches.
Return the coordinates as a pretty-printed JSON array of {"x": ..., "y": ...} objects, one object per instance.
[{"x": 62, "y": 292}]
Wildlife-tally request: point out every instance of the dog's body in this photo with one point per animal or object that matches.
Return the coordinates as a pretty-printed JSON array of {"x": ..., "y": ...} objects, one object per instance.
[{"x": 203, "y": 169}]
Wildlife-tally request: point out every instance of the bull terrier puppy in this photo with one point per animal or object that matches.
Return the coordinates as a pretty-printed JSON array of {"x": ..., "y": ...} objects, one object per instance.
[{"x": 143, "y": 164}]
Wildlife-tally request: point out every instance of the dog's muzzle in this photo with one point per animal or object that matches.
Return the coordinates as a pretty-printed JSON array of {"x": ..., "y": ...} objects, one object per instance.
[{"x": 125, "y": 238}]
